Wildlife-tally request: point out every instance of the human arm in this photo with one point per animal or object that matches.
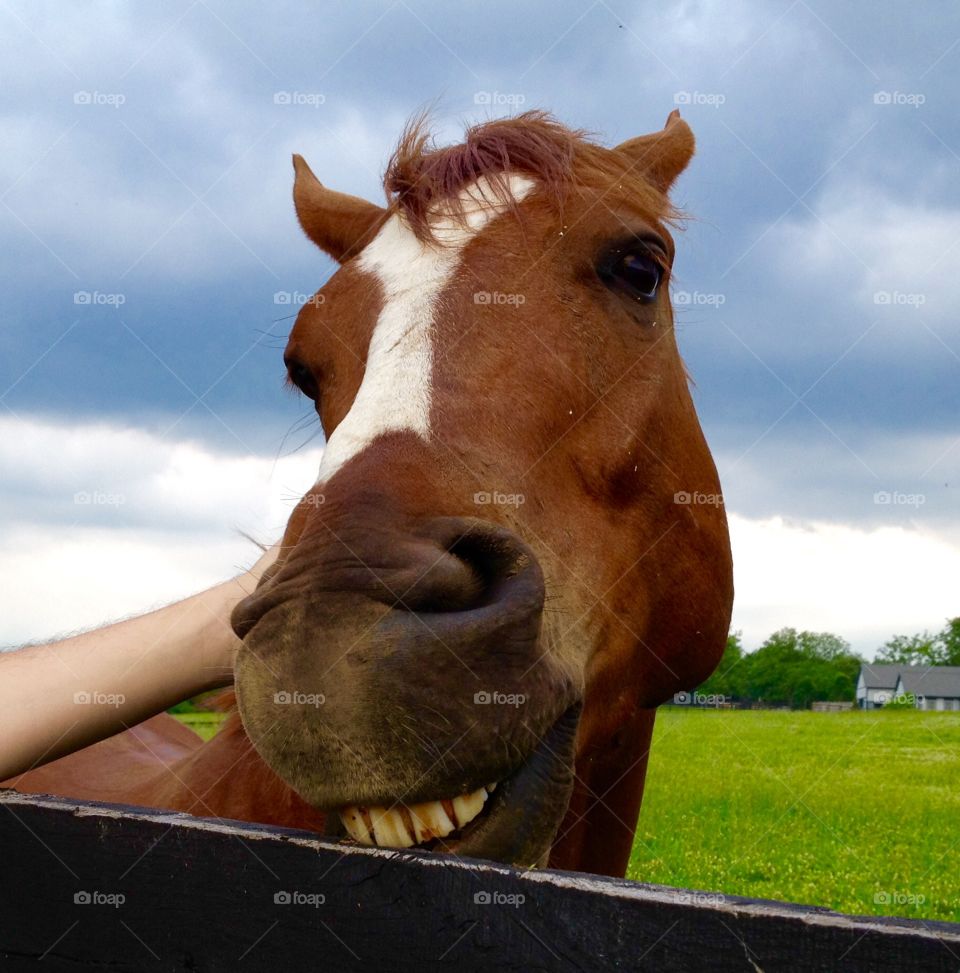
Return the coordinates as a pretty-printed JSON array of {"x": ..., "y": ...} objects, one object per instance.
[{"x": 65, "y": 695}]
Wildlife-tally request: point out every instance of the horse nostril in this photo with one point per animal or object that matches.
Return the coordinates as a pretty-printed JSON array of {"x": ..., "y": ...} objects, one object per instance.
[
  {"x": 489, "y": 562},
  {"x": 460, "y": 565},
  {"x": 444, "y": 566},
  {"x": 447, "y": 583},
  {"x": 496, "y": 562}
]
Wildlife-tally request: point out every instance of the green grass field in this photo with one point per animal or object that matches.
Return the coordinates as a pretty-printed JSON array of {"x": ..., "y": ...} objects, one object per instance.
[
  {"x": 856, "y": 811},
  {"x": 204, "y": 725},
  {"x": 859, "y": 812}
]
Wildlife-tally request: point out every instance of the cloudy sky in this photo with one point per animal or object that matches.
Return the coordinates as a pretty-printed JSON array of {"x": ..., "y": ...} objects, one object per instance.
[{"x": 152, "y": 264}]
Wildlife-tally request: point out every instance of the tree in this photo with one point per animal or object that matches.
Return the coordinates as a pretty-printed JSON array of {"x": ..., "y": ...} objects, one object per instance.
[
  {"x": 910, "y": 650},
  {"x": 729, "y": 678},
  {"x": 949, "y": 639},
  {"x": 821, "y": 645},
  {"x": 795, "y": 668},
  {"x": 942, "y": 649}
]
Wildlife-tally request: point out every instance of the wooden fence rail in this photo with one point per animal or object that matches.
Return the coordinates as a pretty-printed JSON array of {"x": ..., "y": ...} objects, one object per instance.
[{"x": 100, "y": 887}]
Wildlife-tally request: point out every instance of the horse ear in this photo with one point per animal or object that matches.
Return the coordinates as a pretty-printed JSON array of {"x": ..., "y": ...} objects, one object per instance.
[
  {"x": 662, "y": 155},
  {"x": 339, "y": 224}
]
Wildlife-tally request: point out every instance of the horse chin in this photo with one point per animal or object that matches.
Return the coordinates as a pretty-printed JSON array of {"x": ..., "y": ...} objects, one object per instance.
[{"x": 513, "y": 821}]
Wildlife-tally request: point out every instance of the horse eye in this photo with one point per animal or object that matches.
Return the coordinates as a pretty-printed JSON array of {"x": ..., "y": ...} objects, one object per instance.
[
  {"x": 634, "y": 271},
  {"x": 299, "y": 375}
]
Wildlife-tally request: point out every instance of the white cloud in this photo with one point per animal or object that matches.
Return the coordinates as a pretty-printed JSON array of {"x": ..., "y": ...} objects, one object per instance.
[
  {"x": 864, "y": 585},
  {"x": 692, "y": 28},
  {"x": 105, "y": 184},
  {"x": 102, "y": 521},
  {"x": 884, "y": 255},
  {"x": 147, "y": 212},
  {"x": 105, "y": 475},
  {"x": 56, "y": 580},
  {"x": 770, "y": 475},
  {"x": 158, "y": 520}
]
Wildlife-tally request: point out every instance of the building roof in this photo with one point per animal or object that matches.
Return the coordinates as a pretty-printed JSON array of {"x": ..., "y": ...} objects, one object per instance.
[
  {"x": 931, "y": 681},
  {"x": 881, "y": 677}
]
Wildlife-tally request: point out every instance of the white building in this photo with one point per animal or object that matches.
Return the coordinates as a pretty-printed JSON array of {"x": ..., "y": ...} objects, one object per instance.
[
  {"x": 934, "y": 688},
  {"x": 930, "y": 687},
  {"x": 877, "y": 685}
]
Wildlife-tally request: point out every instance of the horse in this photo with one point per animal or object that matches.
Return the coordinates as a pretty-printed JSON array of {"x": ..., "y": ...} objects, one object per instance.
[{"x": 501, "y": 570}]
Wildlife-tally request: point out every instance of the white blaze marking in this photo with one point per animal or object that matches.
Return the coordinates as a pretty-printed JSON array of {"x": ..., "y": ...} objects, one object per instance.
[{"x": 396, "y": 390}]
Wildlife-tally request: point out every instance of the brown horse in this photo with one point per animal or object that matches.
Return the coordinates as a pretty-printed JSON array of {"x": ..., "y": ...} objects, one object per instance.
[{"x": 496, "y": 578}]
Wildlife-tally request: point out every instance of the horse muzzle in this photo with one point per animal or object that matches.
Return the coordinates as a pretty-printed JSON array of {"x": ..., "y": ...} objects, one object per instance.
[{"x": 397, "y": 677}]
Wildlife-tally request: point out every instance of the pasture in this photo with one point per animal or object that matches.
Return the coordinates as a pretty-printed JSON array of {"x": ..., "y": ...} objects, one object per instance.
[
  {"x": 856, "y": 811},
  {"x": 204, "y": 724}
]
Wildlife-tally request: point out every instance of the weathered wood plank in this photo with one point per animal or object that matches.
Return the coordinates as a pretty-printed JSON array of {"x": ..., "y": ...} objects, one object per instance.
[{"x": 102, "y": 887}]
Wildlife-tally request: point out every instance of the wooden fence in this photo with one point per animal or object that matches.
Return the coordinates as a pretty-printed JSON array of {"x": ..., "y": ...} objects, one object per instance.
[{"x": 100, "y": 887}]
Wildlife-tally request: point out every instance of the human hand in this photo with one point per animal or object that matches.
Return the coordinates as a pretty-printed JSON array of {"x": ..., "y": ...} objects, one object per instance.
[
  {"x": 266, "y": 560},
  {"x": 217, "y": 642}
]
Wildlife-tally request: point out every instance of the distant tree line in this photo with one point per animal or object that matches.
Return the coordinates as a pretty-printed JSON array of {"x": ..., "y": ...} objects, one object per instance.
[
  {"x": 796, "y": 668},
  {"x": 942, "y": 649}
]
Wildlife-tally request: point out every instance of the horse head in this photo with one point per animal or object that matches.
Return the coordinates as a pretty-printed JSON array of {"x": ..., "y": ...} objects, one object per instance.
[{"x": 498, "y": 566}]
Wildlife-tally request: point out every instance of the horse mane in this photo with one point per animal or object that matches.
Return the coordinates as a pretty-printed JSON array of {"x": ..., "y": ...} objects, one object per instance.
[{"x": 422, "y": 176}]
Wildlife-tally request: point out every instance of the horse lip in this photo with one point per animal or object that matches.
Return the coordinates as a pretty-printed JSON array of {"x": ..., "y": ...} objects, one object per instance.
[
  {"x": 251, "y": 610},
  {"x": 529, "y": 805},
  {"x": 523, "y": 813}
]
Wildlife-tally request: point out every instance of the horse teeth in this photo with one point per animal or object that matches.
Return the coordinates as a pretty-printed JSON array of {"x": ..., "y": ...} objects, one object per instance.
[
  {"x": 353, "y": 822},
  {"x": 389, "y": 830},
  {"x": 405, "y": 825},
  {"x": 468, "y": 806},
  {"x": 431, "y": 821}
]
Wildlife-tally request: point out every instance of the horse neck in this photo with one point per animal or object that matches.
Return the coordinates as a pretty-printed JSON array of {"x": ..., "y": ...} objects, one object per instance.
[{"x": 226, "y": 778}]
